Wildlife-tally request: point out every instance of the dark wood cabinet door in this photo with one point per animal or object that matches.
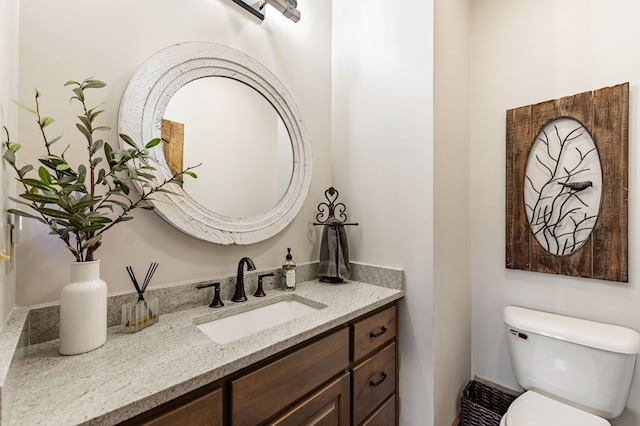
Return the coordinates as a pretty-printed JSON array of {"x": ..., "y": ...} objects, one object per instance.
[
  {"x": 329, "y": 406},
  {"x": 258, "y": 396}
]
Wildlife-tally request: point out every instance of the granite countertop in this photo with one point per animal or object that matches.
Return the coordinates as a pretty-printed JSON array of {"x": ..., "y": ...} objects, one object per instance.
[{"x": 133, "y": 373}]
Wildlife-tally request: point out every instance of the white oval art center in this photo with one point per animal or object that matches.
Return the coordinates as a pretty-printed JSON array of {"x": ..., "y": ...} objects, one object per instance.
[{"x": 563, "y": 186}]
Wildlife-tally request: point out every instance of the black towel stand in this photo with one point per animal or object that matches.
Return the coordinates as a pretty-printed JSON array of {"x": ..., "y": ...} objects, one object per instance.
[{"x": 328, "y": 210}]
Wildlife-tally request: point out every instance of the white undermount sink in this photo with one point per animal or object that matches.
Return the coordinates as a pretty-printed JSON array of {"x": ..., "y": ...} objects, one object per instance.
[{"x": 228, "y": 329}]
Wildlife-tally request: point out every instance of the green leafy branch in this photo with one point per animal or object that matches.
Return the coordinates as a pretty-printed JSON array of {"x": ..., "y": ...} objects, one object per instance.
[{"x": 79, "y": 204}]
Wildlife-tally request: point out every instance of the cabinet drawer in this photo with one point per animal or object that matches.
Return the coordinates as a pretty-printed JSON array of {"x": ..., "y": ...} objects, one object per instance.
[
  {"x": 373, "y": 381},
  {"x": 205, "y": 410},
  {"x": 257, "y": 396},
  {"x": 372, "y": 332},
  {"x": 385, "y": 415},
  {"x": 328, "y": 406}
]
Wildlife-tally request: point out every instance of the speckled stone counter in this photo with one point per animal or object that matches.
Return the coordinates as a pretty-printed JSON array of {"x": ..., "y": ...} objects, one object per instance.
[{"x": 133, "y": 373}]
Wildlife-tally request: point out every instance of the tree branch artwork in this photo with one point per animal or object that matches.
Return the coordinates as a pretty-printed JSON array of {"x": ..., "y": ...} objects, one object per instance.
[
  {"x": 562, "y": 186},
  {"x": 567, "y": 169}
]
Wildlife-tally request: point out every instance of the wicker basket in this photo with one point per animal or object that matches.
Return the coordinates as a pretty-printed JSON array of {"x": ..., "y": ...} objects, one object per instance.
[{"x": 483, "y": 405}]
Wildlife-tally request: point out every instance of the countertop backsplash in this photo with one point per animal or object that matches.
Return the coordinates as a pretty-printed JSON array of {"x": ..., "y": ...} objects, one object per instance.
[{"x": 44, "y": 319}]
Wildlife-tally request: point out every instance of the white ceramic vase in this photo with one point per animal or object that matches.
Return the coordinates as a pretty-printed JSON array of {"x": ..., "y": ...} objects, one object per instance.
[{"x": 83, "y": 310}]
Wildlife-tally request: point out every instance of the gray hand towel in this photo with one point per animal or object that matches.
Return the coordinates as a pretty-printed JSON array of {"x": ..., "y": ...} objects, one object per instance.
[{"x": 334, "y": 253}]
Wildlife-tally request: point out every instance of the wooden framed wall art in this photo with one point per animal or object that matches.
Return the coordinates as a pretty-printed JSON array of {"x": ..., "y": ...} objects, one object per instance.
[{"x": 567, "y": 185}]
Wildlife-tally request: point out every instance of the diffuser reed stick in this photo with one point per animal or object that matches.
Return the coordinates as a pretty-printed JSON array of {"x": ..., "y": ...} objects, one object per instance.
[{"x": 136, "y": 316}]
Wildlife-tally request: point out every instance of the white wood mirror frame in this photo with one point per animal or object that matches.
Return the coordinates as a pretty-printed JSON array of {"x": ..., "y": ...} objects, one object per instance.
[{"x": 141, "y": 111}]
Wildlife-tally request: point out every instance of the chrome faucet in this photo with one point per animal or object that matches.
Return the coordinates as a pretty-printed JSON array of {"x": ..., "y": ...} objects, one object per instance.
[{"x": 240, "y": 296}]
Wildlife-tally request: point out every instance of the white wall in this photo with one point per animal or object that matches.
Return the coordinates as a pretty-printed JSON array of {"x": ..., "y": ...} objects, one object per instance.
[
  {"x": 75, "y": 39},
  {"x": 452, "y": 281},
  {"x": 8, "y": 90},
  {"x": 525, "y": 52},
  {"x": 383, "y": 164}
]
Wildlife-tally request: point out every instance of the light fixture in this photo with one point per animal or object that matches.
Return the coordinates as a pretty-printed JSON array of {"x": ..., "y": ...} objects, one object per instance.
[{"x": 287, "y": 7}]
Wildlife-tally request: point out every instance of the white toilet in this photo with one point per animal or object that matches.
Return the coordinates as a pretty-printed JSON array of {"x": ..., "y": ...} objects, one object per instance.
[{"x": 575, "y": 372}]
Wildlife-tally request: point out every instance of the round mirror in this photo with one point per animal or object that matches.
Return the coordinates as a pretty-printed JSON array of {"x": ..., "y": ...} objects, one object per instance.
[{"x": 217, "y": 106}]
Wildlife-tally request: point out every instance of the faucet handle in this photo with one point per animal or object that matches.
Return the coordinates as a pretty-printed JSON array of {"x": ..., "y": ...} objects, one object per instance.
[
  {"x": 260, "y": 292},
  {"x": 216, "y": 302}
]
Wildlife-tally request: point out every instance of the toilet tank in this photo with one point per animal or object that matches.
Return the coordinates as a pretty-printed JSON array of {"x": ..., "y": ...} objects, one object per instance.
[{"x": 586, "y": 364}]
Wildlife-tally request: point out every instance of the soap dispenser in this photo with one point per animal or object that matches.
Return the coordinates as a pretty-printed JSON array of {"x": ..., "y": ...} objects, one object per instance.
[{"x": 289, "y": 273}]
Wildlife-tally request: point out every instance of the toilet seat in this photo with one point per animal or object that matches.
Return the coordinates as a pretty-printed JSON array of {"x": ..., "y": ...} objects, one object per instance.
[{"x": 534, "y": 409}]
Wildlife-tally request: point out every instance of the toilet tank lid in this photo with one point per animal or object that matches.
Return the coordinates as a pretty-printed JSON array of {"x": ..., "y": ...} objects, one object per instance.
[{"x": 598, "y": 335}]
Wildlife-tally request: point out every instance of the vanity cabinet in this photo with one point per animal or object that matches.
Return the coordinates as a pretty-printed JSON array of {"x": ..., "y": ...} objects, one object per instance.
[{"x": 347, "y": 376}]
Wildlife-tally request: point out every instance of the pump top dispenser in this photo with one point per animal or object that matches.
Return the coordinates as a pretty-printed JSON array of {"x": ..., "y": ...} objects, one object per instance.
[{"x": 289, "y": 273}]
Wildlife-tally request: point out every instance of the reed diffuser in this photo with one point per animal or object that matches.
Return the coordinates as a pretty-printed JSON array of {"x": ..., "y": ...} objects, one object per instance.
[{"x": 144, "y": 312}]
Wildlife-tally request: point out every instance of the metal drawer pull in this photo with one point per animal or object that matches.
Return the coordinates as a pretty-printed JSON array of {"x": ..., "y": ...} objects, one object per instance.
[
  {"x": 383, "y": 377},
  {"x": 383, "y": 330}
]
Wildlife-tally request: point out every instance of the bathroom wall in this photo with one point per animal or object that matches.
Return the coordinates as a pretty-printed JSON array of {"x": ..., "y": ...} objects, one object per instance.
[
  {"x": 525, "y": 52},
  {"x": 452, "y": 280},
  {"x": 8, "y": 90},
  {"x": 75, "y": 39},
  {"x": 383, "y": 166},
  {"x": 385, "y": 138}
]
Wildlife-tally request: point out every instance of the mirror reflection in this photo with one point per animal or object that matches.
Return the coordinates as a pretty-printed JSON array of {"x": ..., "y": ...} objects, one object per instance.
[{"x": 240, "y": 139}]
